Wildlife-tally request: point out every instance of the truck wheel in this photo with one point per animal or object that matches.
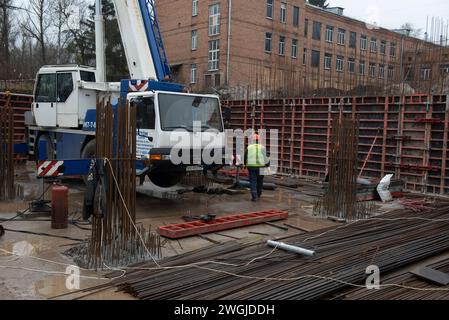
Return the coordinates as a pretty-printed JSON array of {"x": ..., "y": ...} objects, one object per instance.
[
  {"x": 165, "y": 179},
  {"x": 50, "y": 147},
  {"x": 89, "y": 152}
]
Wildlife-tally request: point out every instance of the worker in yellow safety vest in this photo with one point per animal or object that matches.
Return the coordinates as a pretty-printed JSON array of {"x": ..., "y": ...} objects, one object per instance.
[{"x": 255, "y": 160}]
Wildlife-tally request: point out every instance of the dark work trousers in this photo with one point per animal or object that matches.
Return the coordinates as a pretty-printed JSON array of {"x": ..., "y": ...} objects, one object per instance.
[{"x": 256, "y": 182}]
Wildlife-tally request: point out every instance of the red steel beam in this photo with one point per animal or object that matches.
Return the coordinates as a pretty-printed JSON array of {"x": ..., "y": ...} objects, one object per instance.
[{"x": 182, "y": 230}]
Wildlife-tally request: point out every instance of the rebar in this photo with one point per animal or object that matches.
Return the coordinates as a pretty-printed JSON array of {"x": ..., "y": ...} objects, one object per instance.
[
  {"x": 392, "y": 241},
  {"x": 7, "y": 190},
  {"x": 116, "y": 240},
  {"x": 340, "y": 197}
]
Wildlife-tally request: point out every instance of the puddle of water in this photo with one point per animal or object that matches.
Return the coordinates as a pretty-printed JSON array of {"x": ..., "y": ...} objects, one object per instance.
[{"x": 50, "y": 287}]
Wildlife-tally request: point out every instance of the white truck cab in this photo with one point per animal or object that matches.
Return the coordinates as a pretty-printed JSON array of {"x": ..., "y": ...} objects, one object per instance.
[
  {"x": 64, "y": 93},
  {"x": 165, "y": 119}
]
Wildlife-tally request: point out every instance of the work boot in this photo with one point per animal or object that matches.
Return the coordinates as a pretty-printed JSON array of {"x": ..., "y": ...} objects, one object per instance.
[{"x": 253, "y": 199}]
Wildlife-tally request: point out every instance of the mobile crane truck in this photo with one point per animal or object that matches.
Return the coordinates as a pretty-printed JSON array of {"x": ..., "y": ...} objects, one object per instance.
[{"x": 62, "y": 124}]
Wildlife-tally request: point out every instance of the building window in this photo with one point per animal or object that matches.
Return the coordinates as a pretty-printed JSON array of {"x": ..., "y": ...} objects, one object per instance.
[
  {"x": 315, "y": 58},
  {"x": 194, "y": 39},
  {"x": 327, "y": 61},
  {"x": 352, "y": 40},
  {"x": 316, "y": 35},
  {"x": 351, "y": 65},
  {"x": 306, "y": 27},
  {"x": 340, "y": 61},
  {"x": 381, "y": 71},
  {"x": 194, "y": 8},
  {"x": 283, "y": 15},
  {"x": 217, "y": 80},
  {"x": 193, "y": 73},
  {"x": 304, "y": 56},
  {"x": 393, "y": 49},
  {"x": 294, "y": 48},
  {"x": 373, "y": 45},
  {"x": 214, "y": 19},
  {"x": 214, "y": 53},
  {"x": 270, "y": 9},
  {"x": 329, "y": 33},
  {"x": 296, "y": 16},
  {"x": 341, "y": 37},
  {"x": 362, "y": 68},
  {"x": 426, "y": 73},
  {"x": 383, "y": 48},
  {"x": 390, "y": 72},
  {"x": 444, "y": 69},
  {"x": 268, "y": 41},
  {"x": 372, "y": 70},
  {"x": 281, "y": 46},
  {"x": 363, "y": 43}
]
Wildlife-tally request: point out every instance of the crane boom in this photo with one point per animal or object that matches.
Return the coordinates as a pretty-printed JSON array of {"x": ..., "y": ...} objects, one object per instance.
[{"x": 142, "y": 40}]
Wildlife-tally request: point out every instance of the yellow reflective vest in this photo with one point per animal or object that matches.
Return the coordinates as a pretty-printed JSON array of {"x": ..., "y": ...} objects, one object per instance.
[{"x": 255, "y": 157}]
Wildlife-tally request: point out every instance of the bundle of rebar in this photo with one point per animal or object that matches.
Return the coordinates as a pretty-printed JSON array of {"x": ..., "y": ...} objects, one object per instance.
[
  {"x": 7, "y": 191},
  {"x": 116, "y": 240},
  {"x": 247, "y": 271},
  {"x": 340, "y": 198}
]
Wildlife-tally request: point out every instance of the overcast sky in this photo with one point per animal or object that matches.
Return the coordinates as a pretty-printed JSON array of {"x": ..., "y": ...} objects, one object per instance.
[{"x": 392, "y": 14}]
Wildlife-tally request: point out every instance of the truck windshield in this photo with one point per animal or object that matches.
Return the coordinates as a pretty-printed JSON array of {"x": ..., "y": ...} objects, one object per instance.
[{"x": 181, "y": 111}]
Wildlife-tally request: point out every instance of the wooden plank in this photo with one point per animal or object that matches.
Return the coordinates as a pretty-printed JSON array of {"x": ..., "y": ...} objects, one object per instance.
[{"x": 432, "y": 275}]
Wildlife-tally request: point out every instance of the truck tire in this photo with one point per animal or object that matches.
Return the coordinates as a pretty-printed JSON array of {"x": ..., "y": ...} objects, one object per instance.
[
  {"x": 50, "y": 152},
  {"x": 89, "y": 152},
  {"x": 165, "y": 179}
]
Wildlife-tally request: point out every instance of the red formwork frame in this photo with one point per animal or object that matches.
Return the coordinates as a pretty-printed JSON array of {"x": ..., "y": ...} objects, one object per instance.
[
  {"x": 20, "y": 104},
  {"x": 412, "y": 135}
]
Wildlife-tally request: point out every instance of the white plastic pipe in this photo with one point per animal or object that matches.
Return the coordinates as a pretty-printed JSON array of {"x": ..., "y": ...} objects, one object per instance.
[
  {"x": 290, "y": 248},
  {"x": 99, "y": 42}
]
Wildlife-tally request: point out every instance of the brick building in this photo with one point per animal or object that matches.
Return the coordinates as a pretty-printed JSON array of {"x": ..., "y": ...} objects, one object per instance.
[{"x": 280, "y": 47}]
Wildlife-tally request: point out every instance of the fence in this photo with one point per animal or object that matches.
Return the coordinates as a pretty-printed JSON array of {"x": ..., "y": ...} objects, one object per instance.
[{"x": 407, "y": 135}]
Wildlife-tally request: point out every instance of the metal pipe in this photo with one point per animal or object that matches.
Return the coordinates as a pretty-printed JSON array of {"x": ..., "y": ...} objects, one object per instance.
[
  {"x": 290, "y": 248},
  {"x": 100, "y": 42},
  {"x": 228, "y": 54}
]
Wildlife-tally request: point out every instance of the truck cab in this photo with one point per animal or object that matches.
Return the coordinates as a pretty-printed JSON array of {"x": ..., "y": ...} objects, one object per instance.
[
  {"x": 178, "y": 132},
  {"x": 64, "y": 93}
]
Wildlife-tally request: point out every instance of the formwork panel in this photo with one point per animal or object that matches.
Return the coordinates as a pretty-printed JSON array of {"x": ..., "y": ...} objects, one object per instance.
[{"x": 406, "y": 136}]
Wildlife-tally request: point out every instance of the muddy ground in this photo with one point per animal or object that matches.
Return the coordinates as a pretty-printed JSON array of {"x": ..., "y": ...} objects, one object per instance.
[{"x": 39, "y": 273}]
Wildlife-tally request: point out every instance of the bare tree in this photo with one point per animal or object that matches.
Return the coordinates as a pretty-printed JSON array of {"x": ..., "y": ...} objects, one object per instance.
[
  {"x": 37, "y": 24},
  {"x": 412, "y": 30},
  {"x": 6, "y": 6},
  {"x": 65, "y": 13}
]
